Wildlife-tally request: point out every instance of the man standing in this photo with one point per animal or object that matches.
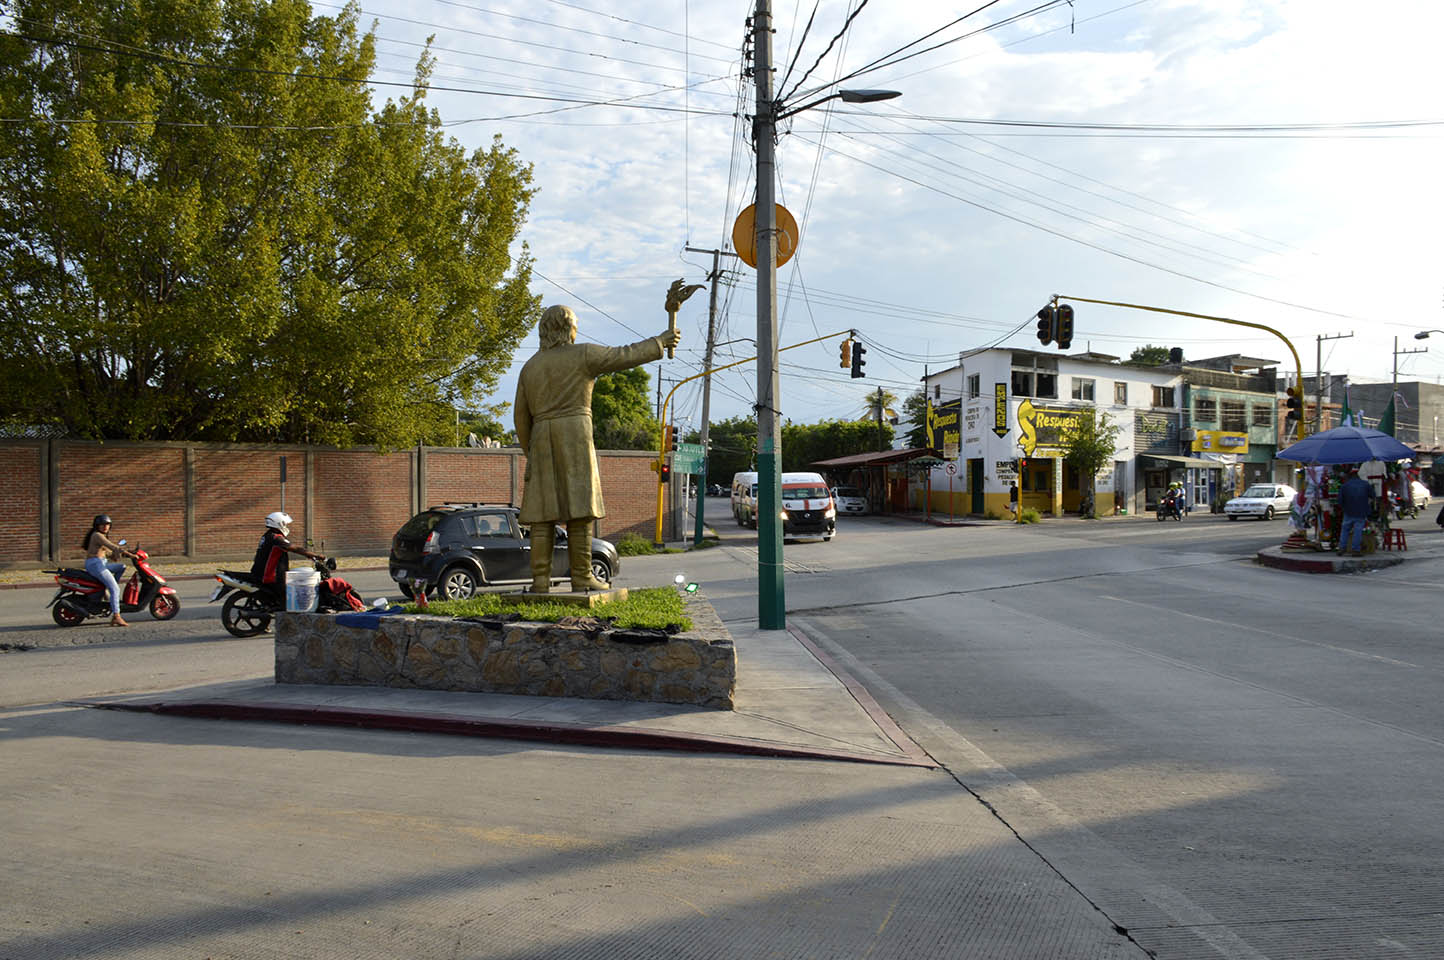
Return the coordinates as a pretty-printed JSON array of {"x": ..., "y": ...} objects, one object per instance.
[
  {"x": 553, "y": 416},
  {"x": 1356, "y": 502}
]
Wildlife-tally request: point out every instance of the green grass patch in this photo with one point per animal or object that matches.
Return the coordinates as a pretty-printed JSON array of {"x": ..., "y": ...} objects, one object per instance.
[
  {"x": 634, "y": 545},
  {"x": 655, "y": 607},
  {"x": 1030, "y": 515}
]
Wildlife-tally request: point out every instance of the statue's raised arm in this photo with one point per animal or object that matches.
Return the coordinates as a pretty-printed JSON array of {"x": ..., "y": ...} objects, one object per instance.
[{"x": 677, "y": 295}]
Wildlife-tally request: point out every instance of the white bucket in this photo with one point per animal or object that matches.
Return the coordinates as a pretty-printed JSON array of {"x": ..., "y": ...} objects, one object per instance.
[{"x": 303, "y": 589}]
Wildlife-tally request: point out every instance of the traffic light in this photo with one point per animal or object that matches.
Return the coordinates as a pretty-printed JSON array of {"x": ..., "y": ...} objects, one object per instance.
[
  {"x": 1295, "y": 404},
  {"x": 664, "y": 473},
  {"x": 672, "y": 438},
  {"x": 858, "y": 352},
  {"x": 667, "y": 437},
  {"x": 1047, "y": 324},
  {"x": 844, "y": 354},
  {"x": 1065, "y": 326}
]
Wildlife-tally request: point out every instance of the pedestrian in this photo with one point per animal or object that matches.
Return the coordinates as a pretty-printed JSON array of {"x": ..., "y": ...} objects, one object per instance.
[
  {"x": 1356, "y": 503},
  {"x": 1013, "y": 499},
  {"x": 100, "y": 551}
]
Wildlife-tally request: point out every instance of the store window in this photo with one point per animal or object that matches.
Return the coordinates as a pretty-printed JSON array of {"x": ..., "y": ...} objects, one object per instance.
[
  {"x": 1083, "y": 389},
  {"x": 937, "y": 391},
  {"x": 1205, "y": 410},
  {"x": 975, "y": 385},
  {"x": 1163, "y": 396},
  {"x": 1120, "y": 393},
  {"x": 1235, "y": 416},
  {"x": 1263, "y": 415}
]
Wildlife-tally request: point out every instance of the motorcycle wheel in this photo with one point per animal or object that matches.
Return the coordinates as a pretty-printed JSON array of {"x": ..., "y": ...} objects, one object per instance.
[
  {"x": 245, "y": 615},
  {"x": 164, "y": 606},
  {"x": 66, "y": 617}
]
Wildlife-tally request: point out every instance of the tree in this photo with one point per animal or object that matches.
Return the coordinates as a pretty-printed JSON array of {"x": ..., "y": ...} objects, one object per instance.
[
  {"x": 205, "y": 232},
  {"x": 1148, "y": 356},
  {"x": 915, "y": 409},
  {"x": 805, "y": 444},
  {"x": 732, "y": 447},
  {"x": 622, "y": 413},
  {"x": 1089, "y": 446},
  {"x": 884, "y": 398}
]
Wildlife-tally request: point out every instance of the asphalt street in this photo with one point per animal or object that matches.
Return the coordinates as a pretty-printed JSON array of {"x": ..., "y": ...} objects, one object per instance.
[{"x": 1176, "y": 752}]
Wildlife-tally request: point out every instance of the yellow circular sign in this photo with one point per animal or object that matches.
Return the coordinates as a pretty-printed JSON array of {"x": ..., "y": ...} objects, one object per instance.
[{"x": 744, "y": 235}]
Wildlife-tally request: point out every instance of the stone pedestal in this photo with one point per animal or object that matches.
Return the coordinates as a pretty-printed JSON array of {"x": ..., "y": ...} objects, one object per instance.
[{"x": 573, "y": 598}]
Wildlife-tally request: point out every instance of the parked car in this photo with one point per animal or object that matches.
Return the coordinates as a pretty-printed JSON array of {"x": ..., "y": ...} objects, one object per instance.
[
  {"x": 1420, "y": 494},
  {"x": 849, "y": 500},
  {"x": 1262, "y": 500},
  {"x": 456, "y": 549}
]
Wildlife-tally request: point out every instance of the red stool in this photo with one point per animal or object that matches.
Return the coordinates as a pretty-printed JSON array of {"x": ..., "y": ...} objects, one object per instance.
[{"x": 1394, "y": 537}]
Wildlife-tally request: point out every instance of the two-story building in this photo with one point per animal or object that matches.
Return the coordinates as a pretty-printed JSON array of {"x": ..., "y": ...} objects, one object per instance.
[{"x": 1001, "y": 416}]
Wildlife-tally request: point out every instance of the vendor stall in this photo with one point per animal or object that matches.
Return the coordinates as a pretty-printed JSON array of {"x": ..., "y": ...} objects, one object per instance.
[{"x": 1328, "y": 458}]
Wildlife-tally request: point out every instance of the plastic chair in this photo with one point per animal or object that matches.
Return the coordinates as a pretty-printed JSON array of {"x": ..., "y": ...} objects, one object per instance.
[{"x": 1394, "y": 537}]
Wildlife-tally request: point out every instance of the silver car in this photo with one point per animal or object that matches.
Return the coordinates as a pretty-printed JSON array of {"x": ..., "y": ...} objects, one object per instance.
[{"x": 1262, "y": 500}]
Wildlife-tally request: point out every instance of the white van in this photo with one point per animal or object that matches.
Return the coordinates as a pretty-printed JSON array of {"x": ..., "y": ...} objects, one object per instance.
[
  {"x": 744, "y": 498},
  {"x": 807, "y": 506}
]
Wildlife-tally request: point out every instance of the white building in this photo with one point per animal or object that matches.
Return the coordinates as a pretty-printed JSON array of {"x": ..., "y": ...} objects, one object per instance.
[{"x": 1001, "y": 414}]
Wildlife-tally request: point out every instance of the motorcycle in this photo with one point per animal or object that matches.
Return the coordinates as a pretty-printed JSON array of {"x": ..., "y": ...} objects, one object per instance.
[
  {"x": 81, "y": 596},
  {"x": 249, "y": 606},
  {"x": 1170, "y": 505}
]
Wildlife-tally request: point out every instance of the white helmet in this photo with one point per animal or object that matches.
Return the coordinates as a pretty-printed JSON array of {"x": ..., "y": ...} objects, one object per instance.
[{"x": 279, "y": 521}]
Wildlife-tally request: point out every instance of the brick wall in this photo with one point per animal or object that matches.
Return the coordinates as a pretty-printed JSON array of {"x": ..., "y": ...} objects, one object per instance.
[
  {"x": 352, "y": 501},
  {"x": 21, "y": 484}
]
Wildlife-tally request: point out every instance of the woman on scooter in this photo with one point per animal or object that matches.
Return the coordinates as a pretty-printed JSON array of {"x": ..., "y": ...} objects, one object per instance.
[{"x": 98, "y": 548}]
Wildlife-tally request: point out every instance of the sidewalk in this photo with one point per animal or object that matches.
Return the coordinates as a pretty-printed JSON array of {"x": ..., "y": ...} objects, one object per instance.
[{"x": 792, "y": 701}]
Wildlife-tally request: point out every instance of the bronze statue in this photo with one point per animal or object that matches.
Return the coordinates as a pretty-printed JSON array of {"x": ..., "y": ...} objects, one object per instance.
[{"x": 553, "y": 415}]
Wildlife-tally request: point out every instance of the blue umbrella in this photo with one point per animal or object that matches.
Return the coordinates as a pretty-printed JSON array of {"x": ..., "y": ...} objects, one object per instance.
[{"x": 1346, "y": 445}]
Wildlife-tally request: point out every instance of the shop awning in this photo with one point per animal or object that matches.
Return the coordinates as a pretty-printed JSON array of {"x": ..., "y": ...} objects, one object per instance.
[
  {"x": 875, "y": 459},
  {"x": 1185, "y": 461}
]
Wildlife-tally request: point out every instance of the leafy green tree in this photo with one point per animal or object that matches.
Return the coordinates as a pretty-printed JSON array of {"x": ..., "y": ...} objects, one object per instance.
[
  {"x": 805, "y": 444},
  {"x": 887, "y": 399},
  {"x": 1148, "y": 356},
  {"x": 733, "y": 443},
  {"x": 206, "y": 233},
  {"x": 1090, "y": 447},
  {"x": 915, "y": 408},
  {"x": 622, "y": 412}
]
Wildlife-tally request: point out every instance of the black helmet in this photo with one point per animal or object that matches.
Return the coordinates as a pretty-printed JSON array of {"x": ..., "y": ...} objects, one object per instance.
[{"x": 101, "y": 521}]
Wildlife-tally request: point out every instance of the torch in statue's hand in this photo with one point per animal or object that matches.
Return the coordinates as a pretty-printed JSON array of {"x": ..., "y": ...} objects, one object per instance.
[{"x": 677, "y": 294}]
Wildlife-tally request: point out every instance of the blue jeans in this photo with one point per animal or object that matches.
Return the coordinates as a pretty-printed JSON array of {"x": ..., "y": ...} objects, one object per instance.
[
  {"x": 1351, "y": 533},
  {"x": 105, "y": 572}
]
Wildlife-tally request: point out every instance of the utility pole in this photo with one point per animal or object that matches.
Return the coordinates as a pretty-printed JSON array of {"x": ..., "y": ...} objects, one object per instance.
[
  {"x": 1319, "y": 378},
  {"x": 715, "y": 277},
  {"x": 771, "y": 596},
  {"x": 879, "y": 420},
  {"x": 1397, "y": 354}
]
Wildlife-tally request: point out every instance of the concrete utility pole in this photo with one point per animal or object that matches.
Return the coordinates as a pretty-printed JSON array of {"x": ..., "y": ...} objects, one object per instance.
[
  {"x": 771, "y": 598},
  {"x": 880, "y": 445},
  {"x": 715, "y": 276},
  {"x": 1319, "y": 379}
]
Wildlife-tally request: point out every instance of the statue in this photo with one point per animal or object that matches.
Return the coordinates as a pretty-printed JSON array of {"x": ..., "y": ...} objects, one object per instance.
[{"x": 553, "y": 416}]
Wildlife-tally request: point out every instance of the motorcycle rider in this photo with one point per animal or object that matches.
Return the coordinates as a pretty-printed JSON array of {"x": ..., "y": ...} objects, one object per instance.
[
  {"x": 1175, "y": 497},
  {"x": 273, "y": 555},
  {"x": 98, "y": 547}
]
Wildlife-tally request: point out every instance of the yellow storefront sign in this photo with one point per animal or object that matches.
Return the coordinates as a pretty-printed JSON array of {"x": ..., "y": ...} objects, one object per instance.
[{"x": 1220, "y": 441}]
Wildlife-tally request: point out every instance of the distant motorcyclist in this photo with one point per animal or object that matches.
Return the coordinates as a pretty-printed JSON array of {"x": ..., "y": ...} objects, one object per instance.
[
  {"x": 273, "y": 554},
  {"x": 1175, "y": 498}
]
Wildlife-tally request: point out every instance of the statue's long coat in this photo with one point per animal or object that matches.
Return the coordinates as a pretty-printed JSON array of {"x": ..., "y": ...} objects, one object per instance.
[{"x": 553, "y": 415}]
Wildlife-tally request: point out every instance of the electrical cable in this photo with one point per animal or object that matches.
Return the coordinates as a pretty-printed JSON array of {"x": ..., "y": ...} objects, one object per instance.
[{"x": 836, "y": 37}]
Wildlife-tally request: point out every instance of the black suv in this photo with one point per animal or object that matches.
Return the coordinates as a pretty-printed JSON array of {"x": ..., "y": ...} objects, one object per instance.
[{"x": 456, "y": 549}]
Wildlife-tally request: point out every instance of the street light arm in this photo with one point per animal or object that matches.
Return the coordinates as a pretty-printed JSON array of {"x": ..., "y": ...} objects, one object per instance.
[
  {"x": 846, "y": 96},
  {"x": 1424, "y": 334}
]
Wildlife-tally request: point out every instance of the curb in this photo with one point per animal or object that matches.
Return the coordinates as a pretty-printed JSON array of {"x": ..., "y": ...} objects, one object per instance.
[
  {"x": 637, "y": 738},
  {"x": 1274, "y": 557}
]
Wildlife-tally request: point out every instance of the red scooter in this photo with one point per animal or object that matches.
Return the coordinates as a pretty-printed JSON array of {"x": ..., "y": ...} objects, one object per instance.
[{"x": 81, "y": 596}]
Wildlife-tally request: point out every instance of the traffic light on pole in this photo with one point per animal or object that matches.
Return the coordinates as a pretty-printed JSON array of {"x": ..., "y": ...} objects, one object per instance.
[
  {"x": 664, "y": 473},
  {"x": 1295, "y": 404},
  {"x": 844, "y": 354},
  {"x": 858, "y": 352},
  {"x": 672, "y": 438},
  {"x": 1065, "y": 326},
  {"x": 1047, "y": 324}
]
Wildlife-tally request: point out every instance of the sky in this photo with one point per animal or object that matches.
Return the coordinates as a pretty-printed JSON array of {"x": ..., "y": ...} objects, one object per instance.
[{"x": 1275, "y": 161}]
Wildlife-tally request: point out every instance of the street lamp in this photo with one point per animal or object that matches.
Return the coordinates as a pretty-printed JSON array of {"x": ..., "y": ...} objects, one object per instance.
[
  {"x": 771, "y": 598},
  {"x": 1424, "y": 334}
]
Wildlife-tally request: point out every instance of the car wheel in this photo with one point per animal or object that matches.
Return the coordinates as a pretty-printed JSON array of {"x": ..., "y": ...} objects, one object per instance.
[
  {"x": 1233, "y": 516},
  {"x": 1268, "y": 513},
  {"x": 405, "y": 590},
  {"x": 601, "y": 570},
  {"x": 458, "y": 583}
]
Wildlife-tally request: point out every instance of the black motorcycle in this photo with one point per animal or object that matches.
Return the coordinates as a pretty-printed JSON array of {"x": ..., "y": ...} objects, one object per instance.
[
  {"x": 250, "y": 605},
  {"x": 1170, "y": 505}
]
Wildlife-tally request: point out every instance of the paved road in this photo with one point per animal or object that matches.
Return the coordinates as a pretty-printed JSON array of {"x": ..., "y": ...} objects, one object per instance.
[
  {"x": 1229, "y": 760},
  {"x": 1224, "y": 760}
]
